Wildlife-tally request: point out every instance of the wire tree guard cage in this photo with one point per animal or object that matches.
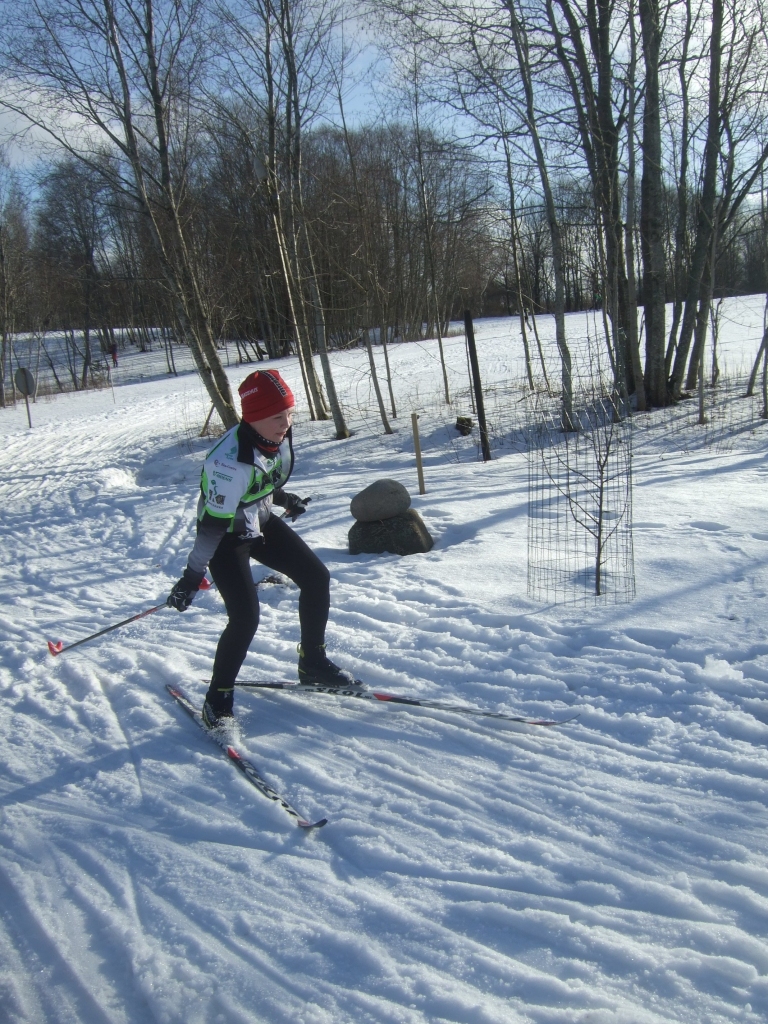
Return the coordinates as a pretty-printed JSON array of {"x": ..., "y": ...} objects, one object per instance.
[{"x": 580, "y": 497}]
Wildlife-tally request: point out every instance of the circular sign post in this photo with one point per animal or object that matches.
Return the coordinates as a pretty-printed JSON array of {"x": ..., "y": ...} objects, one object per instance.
[{"x": 25, "y": 383}]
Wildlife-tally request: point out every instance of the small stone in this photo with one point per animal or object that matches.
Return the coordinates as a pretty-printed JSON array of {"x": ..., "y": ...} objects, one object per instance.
[
  {"x": 383, "y": 499},
  {"x": 403, "y": 534}
]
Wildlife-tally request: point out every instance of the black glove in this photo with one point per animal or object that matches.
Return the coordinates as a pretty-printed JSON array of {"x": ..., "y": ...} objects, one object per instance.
[
  {"x": 294, "y": 505},
  {"x": 183, "y": 592}
]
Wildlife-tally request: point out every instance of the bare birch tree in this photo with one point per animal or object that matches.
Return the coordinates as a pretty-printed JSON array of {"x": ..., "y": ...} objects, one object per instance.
[
  {"x": 122, "y": 76},
  {"x": 652, "y": 210},
  {"x": 279, "y": 51},
  {"x": 519, "y": 37}
]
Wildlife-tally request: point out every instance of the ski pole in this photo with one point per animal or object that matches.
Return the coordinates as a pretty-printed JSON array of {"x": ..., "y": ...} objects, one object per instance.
[{"x": 59, "y": 648}]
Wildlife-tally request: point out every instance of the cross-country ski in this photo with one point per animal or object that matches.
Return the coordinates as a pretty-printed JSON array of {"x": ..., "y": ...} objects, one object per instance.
[
  {"x": 243, "y": 764},
  {"x": 362, "y": 693}
]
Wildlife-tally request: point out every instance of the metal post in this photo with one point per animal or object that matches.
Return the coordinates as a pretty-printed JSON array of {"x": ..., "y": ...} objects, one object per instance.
[
  {"x": 469, "y": 373},
  {"x": 469, "y": 328}
]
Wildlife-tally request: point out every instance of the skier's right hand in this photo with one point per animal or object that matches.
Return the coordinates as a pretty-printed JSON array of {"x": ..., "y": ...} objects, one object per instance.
[
  {"x": 183, "y": 592},
  {"x": 294, "y": 506}
]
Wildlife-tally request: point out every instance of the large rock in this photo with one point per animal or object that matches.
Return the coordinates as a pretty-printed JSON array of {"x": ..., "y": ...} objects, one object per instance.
[
  {"x": 382, "y": 500},
  {"x": 403, "y": 534}
]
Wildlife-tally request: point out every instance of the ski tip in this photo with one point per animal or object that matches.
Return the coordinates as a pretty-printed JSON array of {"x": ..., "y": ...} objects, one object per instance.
[
  {"x": 311, "y": 824},
  {"x": 55, "y": 648},
  {"x": 552, "y": 721}
]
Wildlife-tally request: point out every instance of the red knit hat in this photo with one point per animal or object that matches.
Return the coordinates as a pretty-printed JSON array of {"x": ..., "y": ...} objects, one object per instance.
[{"x": 264, "y": 394}]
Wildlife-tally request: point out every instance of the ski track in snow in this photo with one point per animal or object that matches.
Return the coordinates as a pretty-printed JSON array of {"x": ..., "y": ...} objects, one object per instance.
[{"x": 612, "y": 871}]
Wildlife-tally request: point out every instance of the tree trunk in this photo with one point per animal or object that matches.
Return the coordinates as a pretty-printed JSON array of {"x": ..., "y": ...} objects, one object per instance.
[
  {"x": 702, "y": 316},
  {"x": 633, "y": 343},
  {"x": 174, "y": 261},
  {"x": 598, "y": 131},
  {"x": 516, "y": 262},
  {"x": 376, "y": 388},
  {"x": 521, "y": 48},
  {"x": 342, "y": 430},
  {"x": 681, "y": 226},
  {"x": 652, "y": 211},
  {"x": 706, "y": 218}
]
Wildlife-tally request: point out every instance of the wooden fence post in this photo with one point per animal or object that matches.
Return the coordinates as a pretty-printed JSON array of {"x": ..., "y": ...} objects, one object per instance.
[{"x": 417, "y": 449}]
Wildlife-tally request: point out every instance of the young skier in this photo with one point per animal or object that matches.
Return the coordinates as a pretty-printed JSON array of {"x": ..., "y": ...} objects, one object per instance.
[{"x": 243, "y": 475}]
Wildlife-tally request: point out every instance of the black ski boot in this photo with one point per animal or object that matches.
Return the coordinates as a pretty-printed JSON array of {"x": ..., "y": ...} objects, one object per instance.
[
  {"x": 213, "y": 720},
  {"x": 217, "y": 710},
  {"x": 315, "y": 669}
]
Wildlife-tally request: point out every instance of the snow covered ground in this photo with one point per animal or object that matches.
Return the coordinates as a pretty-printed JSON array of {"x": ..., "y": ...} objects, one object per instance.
[{"x": 611, "y": 871}]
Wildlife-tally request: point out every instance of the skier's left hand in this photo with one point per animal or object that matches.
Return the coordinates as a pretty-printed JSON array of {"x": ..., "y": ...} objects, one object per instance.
[{"x": 294, "y": 506}]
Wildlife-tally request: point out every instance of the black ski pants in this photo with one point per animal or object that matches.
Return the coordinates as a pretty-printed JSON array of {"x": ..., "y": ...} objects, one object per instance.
[{"x": 283, "y": 550}]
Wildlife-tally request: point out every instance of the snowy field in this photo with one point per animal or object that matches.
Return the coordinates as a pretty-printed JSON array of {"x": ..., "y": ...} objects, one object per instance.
[{"x": 611, "y": 871}]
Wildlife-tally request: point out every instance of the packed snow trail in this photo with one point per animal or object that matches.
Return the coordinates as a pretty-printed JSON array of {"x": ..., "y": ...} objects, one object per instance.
[{"x": 612, "y": 870}]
